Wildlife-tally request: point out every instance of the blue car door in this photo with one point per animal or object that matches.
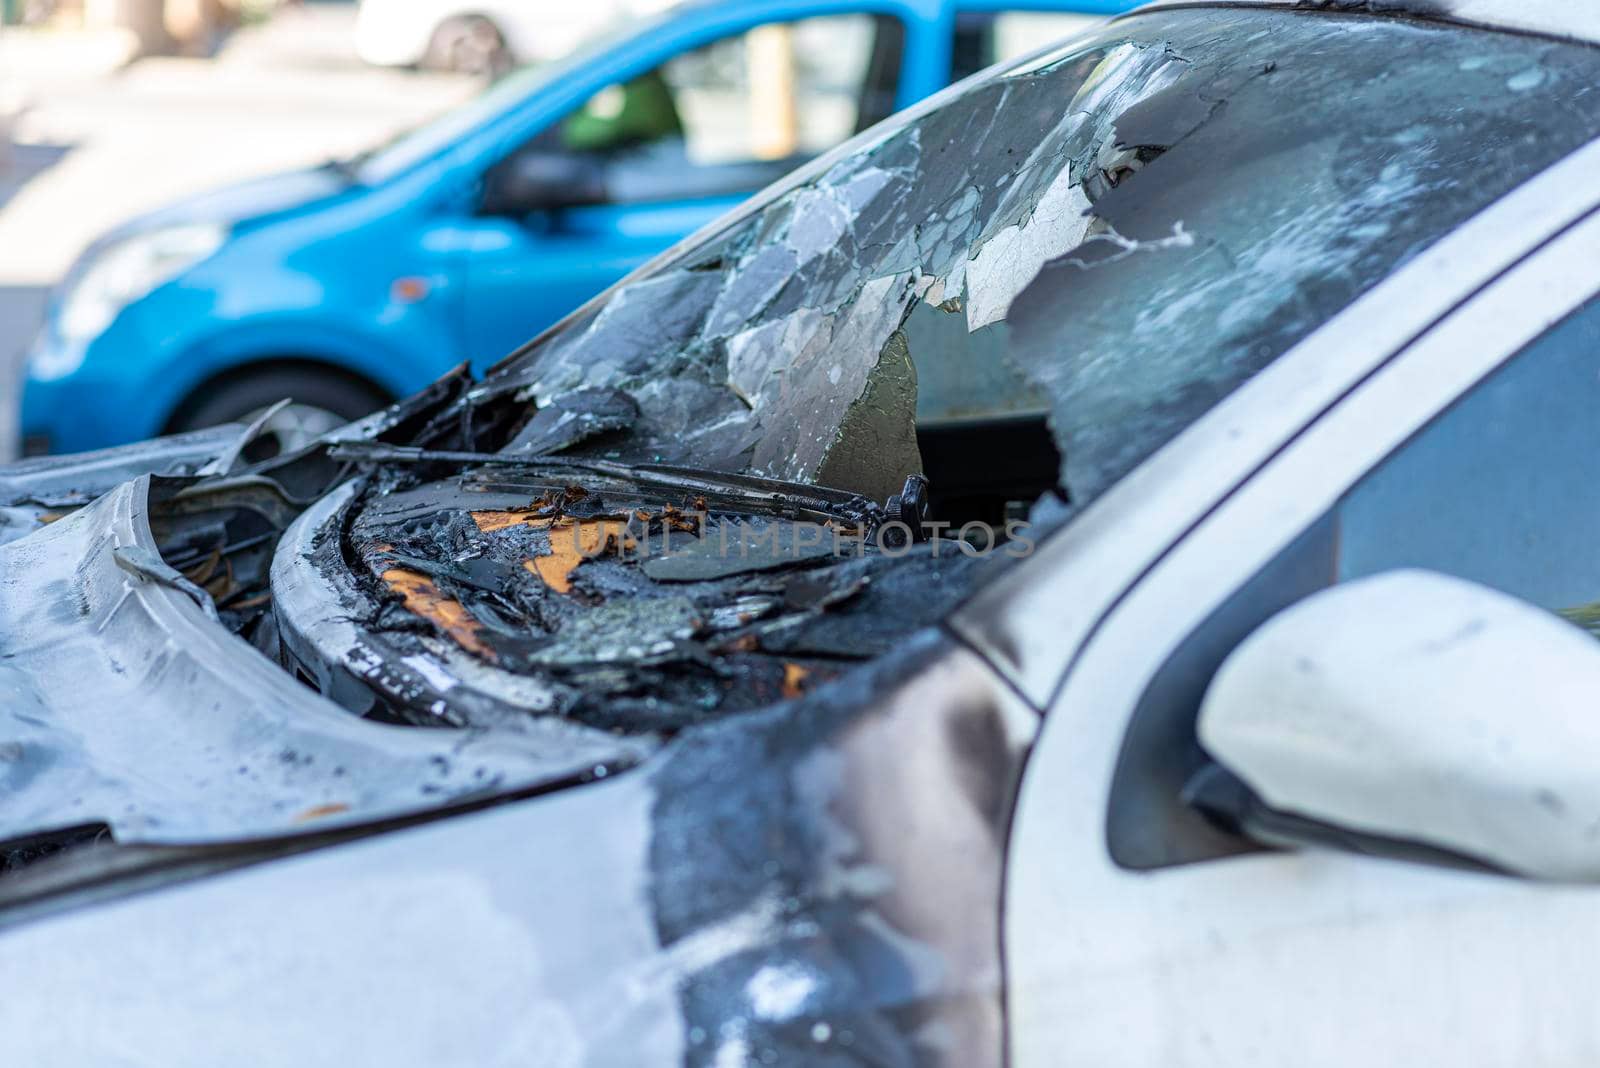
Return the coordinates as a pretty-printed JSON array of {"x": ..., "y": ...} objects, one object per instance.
[{"x": 647, "y": 161}]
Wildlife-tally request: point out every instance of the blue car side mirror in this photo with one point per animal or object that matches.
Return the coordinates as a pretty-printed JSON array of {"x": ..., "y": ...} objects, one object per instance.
[{"x": 535, "y": 181}]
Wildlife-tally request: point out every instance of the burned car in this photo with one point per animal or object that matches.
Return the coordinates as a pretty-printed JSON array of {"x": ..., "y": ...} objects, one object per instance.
[{"x": 1095, "y": 569}]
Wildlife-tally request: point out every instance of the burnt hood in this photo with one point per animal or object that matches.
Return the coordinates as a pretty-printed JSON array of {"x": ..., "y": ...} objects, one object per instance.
[{"x": 130, "y": 711}]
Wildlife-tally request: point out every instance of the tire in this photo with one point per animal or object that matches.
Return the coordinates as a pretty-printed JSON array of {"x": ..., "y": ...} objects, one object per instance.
[
  {"x": 468, "y": 44},
  {"x": 323, "y": 400}
]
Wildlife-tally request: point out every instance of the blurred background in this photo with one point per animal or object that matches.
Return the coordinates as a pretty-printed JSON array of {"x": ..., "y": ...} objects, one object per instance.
[
  {"x": 344, "y": 285},
  {"x": 109, "y": 108}
]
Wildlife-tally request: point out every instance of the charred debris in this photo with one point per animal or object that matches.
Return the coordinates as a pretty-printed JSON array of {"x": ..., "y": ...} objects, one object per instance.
[{"x": 490, "y": 578}]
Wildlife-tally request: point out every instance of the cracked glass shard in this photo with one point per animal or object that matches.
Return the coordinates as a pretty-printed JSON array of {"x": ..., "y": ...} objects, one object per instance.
[
  {"x": 573, "y": 418},
  {"x": 618, "y": 342},
  {"x": 634, "y": 631},
  {"x": 758, "y": 356},
  {"x": 1010, "y": 259},
  {"x": 874, "y": 450},
  {"x": 790, "y": 442},
  {"x": 740, "y": 548}
]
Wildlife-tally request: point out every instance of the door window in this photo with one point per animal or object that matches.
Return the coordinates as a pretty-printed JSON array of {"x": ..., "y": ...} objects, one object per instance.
[
  {"x": 739, "y": 113},
  {"x": 1501, "y": 488}
]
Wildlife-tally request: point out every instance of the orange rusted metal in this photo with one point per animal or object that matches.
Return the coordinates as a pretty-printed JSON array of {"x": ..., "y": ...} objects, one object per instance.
[
  {"x": 425, "y": 599},
  {"x": 572, "y": 541},
  {"x": 794, "y": 681},
  {"x": 491, "y": 522}
]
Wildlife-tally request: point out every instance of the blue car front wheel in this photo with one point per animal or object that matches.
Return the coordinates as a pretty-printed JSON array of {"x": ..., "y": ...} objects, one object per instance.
[{"x": 321, "y": 399}]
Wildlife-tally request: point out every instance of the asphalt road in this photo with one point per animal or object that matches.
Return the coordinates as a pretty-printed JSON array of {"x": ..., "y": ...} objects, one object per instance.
[
  {"x": 20, "y": 308},
  {"x": 20, "y": 305}
]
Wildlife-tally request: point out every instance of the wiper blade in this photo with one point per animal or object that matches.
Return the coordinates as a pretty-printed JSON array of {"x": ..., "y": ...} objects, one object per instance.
[
  {"x": 376, "y": 452},
  {"x": 747, "y": 490}
]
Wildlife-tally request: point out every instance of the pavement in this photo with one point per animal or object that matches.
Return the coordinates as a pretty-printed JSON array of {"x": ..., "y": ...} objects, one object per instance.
[
  {"x": 21, "y": 303},
  {"x": 100, "y": 138}
]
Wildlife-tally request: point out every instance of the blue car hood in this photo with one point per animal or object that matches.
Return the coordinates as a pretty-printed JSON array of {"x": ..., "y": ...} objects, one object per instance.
[{"x": 243, "y": 203}]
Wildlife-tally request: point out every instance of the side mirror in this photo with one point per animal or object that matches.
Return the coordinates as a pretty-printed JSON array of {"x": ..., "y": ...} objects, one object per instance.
[
  {"x": 1413, "y": 708},
  {"x": 544, "y": 181}
]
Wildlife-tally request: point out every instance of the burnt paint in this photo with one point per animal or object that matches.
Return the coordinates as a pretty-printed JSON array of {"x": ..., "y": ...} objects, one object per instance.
[{"x": 880, "y": 876}]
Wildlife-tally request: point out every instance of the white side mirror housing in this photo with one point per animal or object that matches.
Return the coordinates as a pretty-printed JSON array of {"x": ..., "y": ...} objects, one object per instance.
[{"x": 1422, "y": 708}]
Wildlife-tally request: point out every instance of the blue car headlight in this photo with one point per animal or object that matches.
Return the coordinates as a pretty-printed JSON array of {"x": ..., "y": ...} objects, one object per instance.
[{"x": 127, "y": 271}]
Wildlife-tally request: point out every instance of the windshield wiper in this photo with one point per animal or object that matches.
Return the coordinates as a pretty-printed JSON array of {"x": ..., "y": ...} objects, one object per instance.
[{"x": 748, "y": 491}]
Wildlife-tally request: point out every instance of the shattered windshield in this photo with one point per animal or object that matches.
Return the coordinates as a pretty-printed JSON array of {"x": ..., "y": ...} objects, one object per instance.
[{"x": 1115, "y": 235}]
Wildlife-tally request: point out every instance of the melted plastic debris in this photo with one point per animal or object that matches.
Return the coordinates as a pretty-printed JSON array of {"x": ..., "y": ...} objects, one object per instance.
[
  {"x": 424, "y": 598},
  {"x": 743, "y": 547},
  {"x": 644, "y": 614}
]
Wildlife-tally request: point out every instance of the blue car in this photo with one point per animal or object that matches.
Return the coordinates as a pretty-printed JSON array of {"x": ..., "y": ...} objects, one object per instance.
[{"x": 349, "y": 285}]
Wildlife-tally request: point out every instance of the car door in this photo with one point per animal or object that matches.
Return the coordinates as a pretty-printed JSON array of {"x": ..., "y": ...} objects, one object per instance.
[
  {"x": 1137, "y": 933},
  {"x": 648, "y": 160}
]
